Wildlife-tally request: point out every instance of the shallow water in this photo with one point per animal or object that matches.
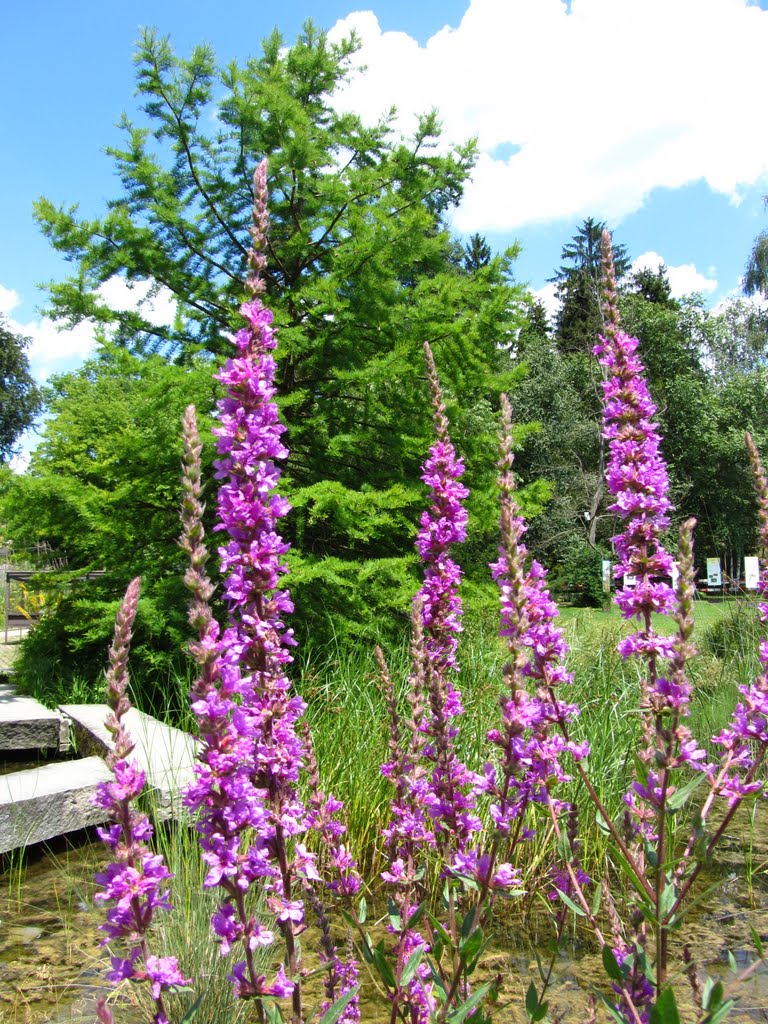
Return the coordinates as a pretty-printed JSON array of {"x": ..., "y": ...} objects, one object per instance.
[{"x": 50, "y": 965}]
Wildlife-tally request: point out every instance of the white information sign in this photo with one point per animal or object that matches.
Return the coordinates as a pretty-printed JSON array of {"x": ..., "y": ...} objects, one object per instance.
[
  {"x": 714, "y": 575},
  {"x": 630, "y": 581},
  {"x": 751, "y": 572},
  {"x": 675, "y": 574},
  {"x": 606, "y": 575}
]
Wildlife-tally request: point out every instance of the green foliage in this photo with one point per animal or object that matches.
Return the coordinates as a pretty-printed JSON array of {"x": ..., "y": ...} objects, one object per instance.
[
  {"x": 577, "y": 576},
  {"x": 102, "y": 489},
  {"x": 361, "y": 270},
  {"x": 756, "y": 271},
  {"x": 19, "y": 395},
  {"x": 580, "y": 319}
]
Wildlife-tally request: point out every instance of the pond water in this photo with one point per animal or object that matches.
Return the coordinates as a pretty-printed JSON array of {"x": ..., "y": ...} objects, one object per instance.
[{"x": 50, "y": 964}]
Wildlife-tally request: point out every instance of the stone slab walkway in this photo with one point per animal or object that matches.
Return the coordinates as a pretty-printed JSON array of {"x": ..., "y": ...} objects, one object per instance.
[
  {"x": 41, "y": 803},
  {"x": 26, "y": 725},
  {"x": 166, "y": 754}
]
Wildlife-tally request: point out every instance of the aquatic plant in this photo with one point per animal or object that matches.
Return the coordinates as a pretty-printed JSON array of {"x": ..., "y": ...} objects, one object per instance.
[
  {"x": 264, "y": 822},
  {"x": 134, "y": 881}
]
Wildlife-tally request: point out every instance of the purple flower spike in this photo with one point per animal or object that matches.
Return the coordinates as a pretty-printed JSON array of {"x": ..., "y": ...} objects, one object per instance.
[
  {"x": 249, "y": 766},
  {"x": 134, "y": 883},
  {"x": 745, "y": 739},
  {"x": 449, "y": 795},
  {"x": 530, "y": 748}
]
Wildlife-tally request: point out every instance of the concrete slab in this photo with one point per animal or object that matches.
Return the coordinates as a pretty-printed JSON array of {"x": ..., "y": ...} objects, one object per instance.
[
  {"x": 167, "y": 755},
  {"x": 25, "y": 724},
  {"x": 40, "y": 803}
]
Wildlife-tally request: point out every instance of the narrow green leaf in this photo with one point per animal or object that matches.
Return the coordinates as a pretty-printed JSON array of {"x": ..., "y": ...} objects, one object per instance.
[
  {"x": 416, "y": 916},
  {"x": 721, "y": 1013},
  {"x": 597, "y": 900},
  {"x": 189, "y": 1015},
  {"x": 333, "y": 1013},
  {"x": 462, "y": 1012},
  {"x": 273, "y": 1012},
  {"x": 664, "y": 1011},
  {"x": 758, "y": 943},
  {"x": 471, "y": 946},
  {"x": 611, "y": 965},
  {"x": 681, "y": 796},
  {"x": 569, "y": 903},
  {"x": 564, "y": 847},
  {"x": 531, "y": 1000},
  {"x": 715, "y": 996},
  {"x": 362, "y": 910},
  {"x": 439, "y": 929},
  {"x": 601, "y": 823},
  {"x": 411, "y": 966},
  {"x": 469, "y": 920},
  {"x": 613, "y": 1010},
  {"x": 384, "y": 967}
]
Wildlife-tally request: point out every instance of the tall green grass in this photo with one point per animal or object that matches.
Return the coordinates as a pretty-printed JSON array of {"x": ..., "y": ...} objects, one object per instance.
[{"x": 347, "y": 710}]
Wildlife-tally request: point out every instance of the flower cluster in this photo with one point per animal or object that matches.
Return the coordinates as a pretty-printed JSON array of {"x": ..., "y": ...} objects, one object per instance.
[
  {"x": 637, "y": 478},
  {"x": 745, "y": 739},
  {"x": 533, "y": 732},
  {"x": 135, "y": 881},
  {"x": 246, "y": 785},
  {"x": 449, "y": 795}
]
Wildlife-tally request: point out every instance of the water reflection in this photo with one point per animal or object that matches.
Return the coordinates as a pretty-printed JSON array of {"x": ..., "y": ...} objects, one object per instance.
[{"x": 50, "y": 965}]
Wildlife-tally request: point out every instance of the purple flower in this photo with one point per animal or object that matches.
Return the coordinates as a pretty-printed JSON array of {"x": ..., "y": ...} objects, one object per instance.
[{"x": 135, "y": 881}]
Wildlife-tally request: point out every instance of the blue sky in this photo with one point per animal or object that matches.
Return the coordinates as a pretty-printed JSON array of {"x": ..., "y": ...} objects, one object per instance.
[{"x": 645, "y": 113}]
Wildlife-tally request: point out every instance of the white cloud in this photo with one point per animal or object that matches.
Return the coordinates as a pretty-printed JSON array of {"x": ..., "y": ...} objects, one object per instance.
[
  {"x": 9, "y": 300},
  {"x": 684, "y": 279},
  {"x": 55, "y": 349},
  {"x": 547, "y": 296},
  {"x": 606, "y": 103},
  {"x": 157, "y": 304}
]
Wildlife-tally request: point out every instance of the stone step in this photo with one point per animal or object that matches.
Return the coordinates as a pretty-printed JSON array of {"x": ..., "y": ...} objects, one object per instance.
[
  {"x": 41, "y": 803},
  {"x": 26, "y": 725},
  {"x": 166, "y": 754}
]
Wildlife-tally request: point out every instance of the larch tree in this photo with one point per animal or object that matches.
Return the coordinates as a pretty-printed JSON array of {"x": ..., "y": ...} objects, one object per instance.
[{"x": 360, "y": 272}]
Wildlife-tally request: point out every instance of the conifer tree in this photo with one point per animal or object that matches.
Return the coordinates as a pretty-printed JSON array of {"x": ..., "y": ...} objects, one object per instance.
[{"x": 358, "y": 270}]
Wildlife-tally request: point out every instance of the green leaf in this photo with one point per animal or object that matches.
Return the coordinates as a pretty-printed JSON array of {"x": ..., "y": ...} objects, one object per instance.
[
  {"x": 462, "y": 1012},
  {"x": 393, "y": 913},
  {"x": 471, "y": 946},
  {"x": 366, "y": 948},
  {"x": 411, "y": 966},
  {"x": 531, "y": 1000},
  {"x": 713, "y": 994},
  {"x": 189, "y": 1015},
  {"x": 569, "y": 903},
  {"x": 613, "y": 1010},
  {"x": 416, "y": 916},
  {"x": 384, "y": 967},
  {"x": 362, "y": 910},
  {"x": 564, "y": 847},
  {"x": 668, "y": 897},
  {"x": 273, "y": 1012},
  {"x": 757, "y": 941},
  {"x": 611, "y": 965},
  {"x": 440, "y": 929},
  {"x": 720, "y": 1013},
  {"x": 601, "y": 823},
  {"x": 681, "y": 796},
  {"x": 468, "y": 922},
  {"x": 333, "y": 1013},
  {"x": 596, "y": 900},
  {"x": 664, "y": 1011}
]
